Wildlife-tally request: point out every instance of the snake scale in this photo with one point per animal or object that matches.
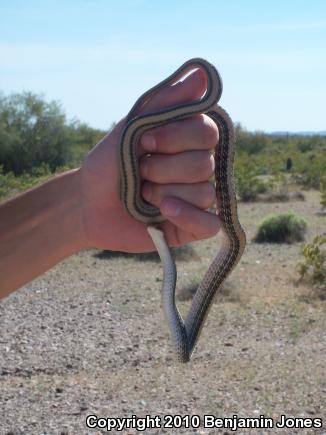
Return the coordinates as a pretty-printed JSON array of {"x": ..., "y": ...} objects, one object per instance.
[{"x": 185, "y": 333}]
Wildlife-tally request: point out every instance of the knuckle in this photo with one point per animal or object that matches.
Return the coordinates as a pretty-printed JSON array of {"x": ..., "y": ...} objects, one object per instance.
[
  {"x": 156, "y": 194},
  {"x": 209, "y": 132},
  {"x": 143, "y": 168},
  {"x": 160, "y": 136},
  {"x": 147, "y": 167},
  {"x": 212, "y": 227},
  {"x": 206, "y": 165},
  {"x": 207, "y": 195}
]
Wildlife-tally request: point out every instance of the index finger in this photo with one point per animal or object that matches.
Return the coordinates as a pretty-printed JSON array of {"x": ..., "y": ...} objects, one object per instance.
[
  {"x": 191, "y": 88},
  {"x": 197, "y": 132}
]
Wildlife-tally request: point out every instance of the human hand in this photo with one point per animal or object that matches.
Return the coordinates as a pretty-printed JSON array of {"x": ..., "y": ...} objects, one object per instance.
[{"x": 176, "y": 178}]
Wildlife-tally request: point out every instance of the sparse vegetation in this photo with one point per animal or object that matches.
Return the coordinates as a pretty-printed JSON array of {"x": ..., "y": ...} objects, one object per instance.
[
  {"x": 282, "y": 228},
  {"x": 312, "y": 268},
  {"x": 303, "y": 159},
  {"x": 249, "y": 186},
  {"x": 36, "y": 141},
  {"x": 323, "y": 191},
  {"x": 34, "y": 132},
  {"x": 36, "y": 137},
  {"x": 11, "y": 184}
]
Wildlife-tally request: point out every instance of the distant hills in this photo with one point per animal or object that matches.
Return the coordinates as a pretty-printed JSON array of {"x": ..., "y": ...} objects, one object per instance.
[{"x": 298, "y": 133}]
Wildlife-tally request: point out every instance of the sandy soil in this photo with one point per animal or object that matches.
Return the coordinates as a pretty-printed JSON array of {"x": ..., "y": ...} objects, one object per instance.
[{"x": 88, "y": 338}]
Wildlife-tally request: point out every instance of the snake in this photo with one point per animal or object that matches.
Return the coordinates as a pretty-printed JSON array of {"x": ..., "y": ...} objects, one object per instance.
[{"x": 185, "y": 332}]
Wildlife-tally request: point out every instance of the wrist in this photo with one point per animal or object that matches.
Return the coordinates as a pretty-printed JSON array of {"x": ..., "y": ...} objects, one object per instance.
[
  {"x": 39, "y": 228},
  {"x": 71, "y": 211}
]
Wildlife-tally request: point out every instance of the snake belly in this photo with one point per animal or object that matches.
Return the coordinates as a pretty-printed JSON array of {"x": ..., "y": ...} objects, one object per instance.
[{"x": 185, "y": 333}]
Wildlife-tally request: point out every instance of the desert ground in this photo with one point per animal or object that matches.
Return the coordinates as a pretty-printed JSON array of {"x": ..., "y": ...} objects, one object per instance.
[{"x": 89, "y": 338}]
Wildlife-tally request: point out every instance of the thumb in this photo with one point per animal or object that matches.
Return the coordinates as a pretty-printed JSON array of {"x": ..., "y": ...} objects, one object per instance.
[{"x": 200, "y": 224}]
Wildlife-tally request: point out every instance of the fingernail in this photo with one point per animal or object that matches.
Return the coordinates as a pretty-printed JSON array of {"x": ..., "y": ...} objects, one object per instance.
[
  {"x": 170, "y": 207},
  {"x": 147, "y": 192},
  {"x": 148, "y": 141}
]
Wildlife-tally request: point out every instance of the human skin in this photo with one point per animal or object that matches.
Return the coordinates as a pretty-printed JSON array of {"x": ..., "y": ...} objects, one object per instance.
[{"x": 81, "y": 208}]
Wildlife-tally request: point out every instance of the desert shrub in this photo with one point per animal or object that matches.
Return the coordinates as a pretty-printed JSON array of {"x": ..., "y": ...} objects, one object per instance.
[
  {"x": 282, "y": 228},
  {"x": 313, "y": 267},
  {"x": 249, "y": 186},
  {"x": 11, "y": 184},
  {"x": 278, "y": 197},
  {"x": 251, "y": 143},
  {"x": 8, "y": 183},
  {"x": 305, "y": 144},
  {"x": 278, "y": 183},
  {"x": 323, "y": 191},
  {"x": 35, "y": 132},
  {"x": 309, "y": 169},
  {"x": 303, "y": 157}
]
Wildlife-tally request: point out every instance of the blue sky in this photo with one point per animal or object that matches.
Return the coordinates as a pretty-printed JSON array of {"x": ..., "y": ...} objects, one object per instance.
[{"x": 96, "y": 57}]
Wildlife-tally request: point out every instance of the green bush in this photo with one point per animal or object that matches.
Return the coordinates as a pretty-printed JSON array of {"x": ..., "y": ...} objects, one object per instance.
[
  {"x": 249, "y": 186},
  {"x": 313, "y": 267},
  {"x": 263, "y": 154},
  {"x": 8, "y": 183},
  {"x": 323, "y": 191},
  {"x": 34, "y": 132},
  {"x": 11, "y": 184},
  {"x": 282, "y": 228},
  {"x": 251, "y": 143}
]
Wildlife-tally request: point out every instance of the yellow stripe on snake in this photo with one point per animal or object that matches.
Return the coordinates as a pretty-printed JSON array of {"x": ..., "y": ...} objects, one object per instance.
[{"x": 185, "y": 333}]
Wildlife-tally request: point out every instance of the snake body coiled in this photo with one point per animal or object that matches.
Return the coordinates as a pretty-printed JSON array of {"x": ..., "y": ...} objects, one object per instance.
[{"x": 185, "y": 333}]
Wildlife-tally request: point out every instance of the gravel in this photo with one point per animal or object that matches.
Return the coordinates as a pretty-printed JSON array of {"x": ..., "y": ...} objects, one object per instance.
[{"x": 88, "y": 338}]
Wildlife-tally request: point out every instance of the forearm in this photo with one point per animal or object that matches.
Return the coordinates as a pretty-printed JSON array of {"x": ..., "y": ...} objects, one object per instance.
[{"x": 38, "y": 229}]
